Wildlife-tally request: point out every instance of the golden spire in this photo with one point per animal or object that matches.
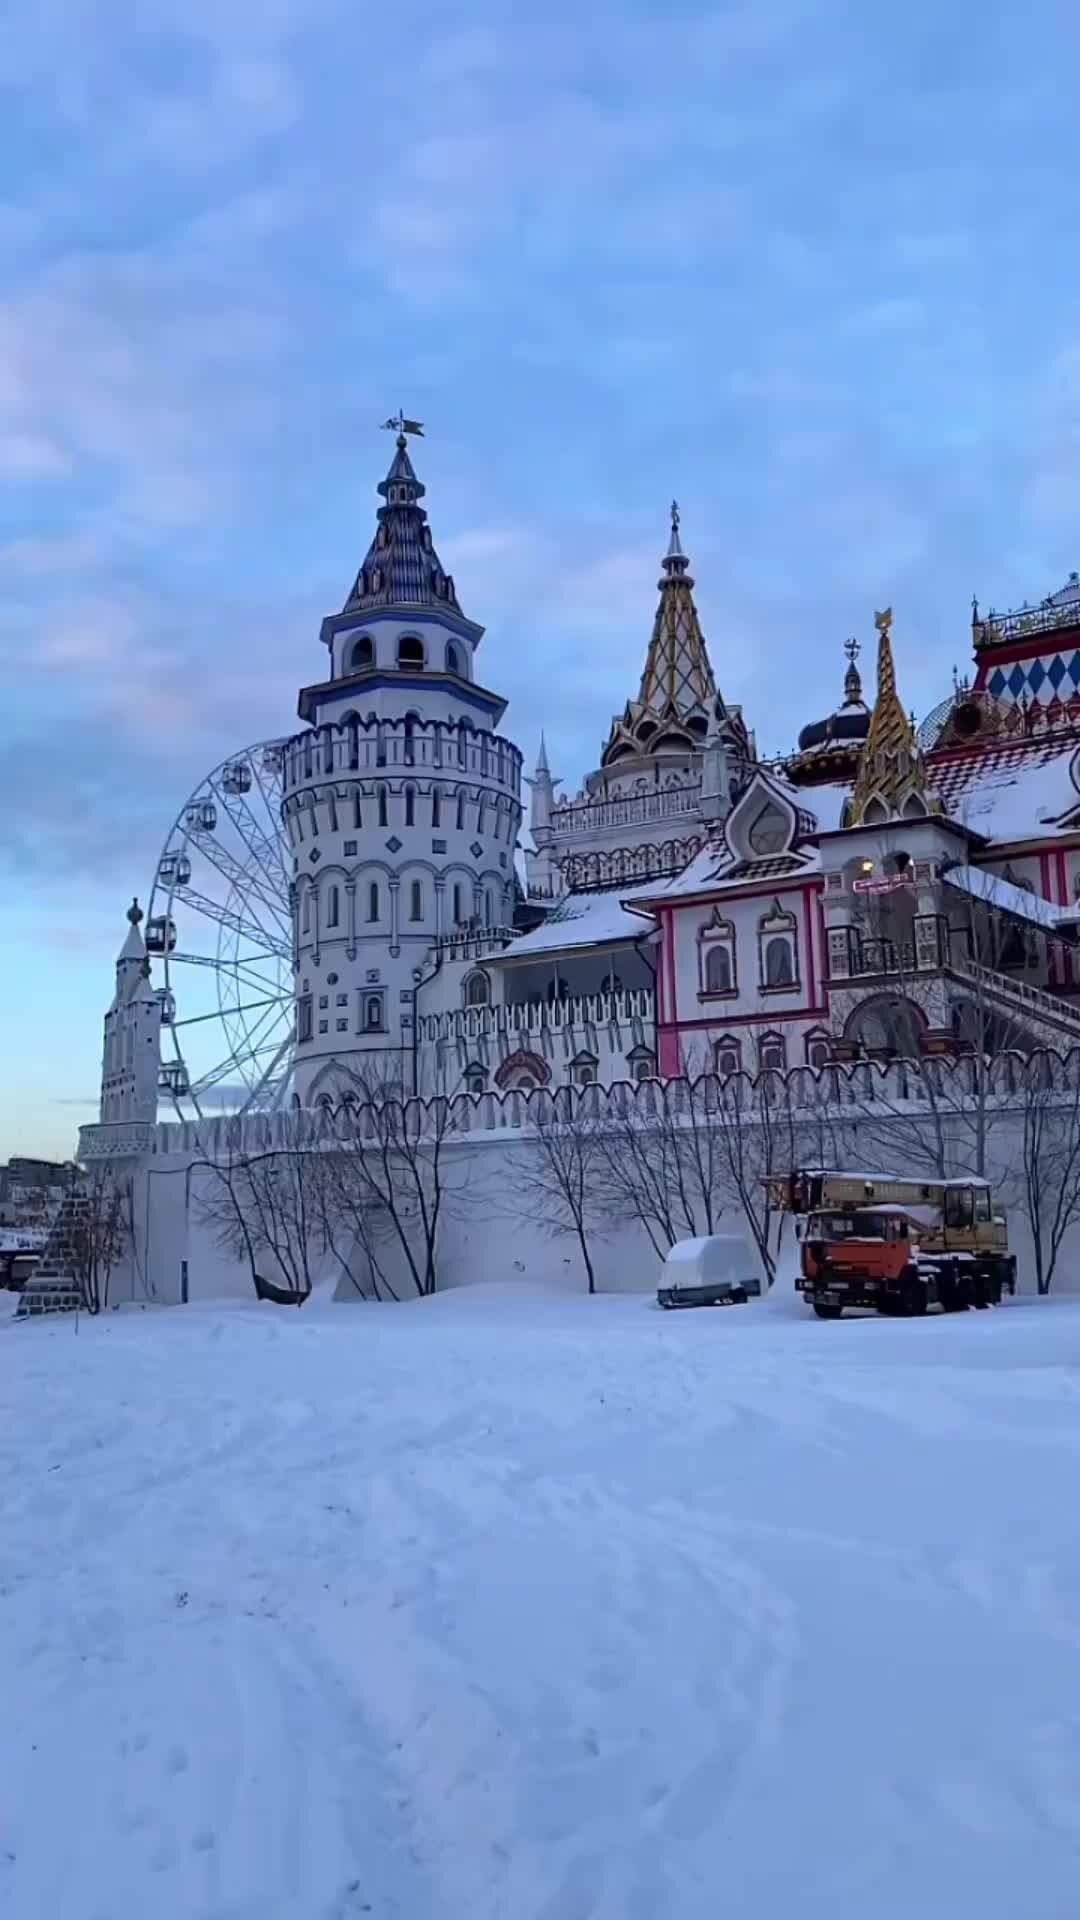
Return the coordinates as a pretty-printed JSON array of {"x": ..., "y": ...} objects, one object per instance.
[{"x": 891, "y": 780}]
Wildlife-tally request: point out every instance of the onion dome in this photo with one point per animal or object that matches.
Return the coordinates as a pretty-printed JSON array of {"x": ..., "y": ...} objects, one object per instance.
[{"x": 829, "y": 749}]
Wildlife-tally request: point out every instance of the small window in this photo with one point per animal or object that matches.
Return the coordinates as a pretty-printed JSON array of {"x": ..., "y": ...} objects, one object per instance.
[
  {"x": 772, "y": 1053},
  {"x": 410, "y": 651},
  {"x": 416, "y": 901},
  {"x": 373, "y": 901},
  {"x": 463, "y": 743},
  {"x": 382, "y": 807},
  {"x": 818, "y": 1050},
  {"x": 477, "y": 990},
  {"x": 453, "y": 658},
  {"x": 645, "y": 1069},
  {"x": 305, "y": 913},
  {"x": 768, "y": 830},
  {"x": 363, "y": 654},
  {"x": 489, "y": 908},
  {"x": 436, "y": 807},
  {"x": 303, "y": 1017},
  {"x": 457, "y": 904},
  {"x": 726, "y": 1056},
  {"x": 475, "y": 1080},
  {"x": 373, "y": 1018},
  {"x": 333, "y": 907},
  {"x": 410, "y": 807},
  {"x": 959, "y": 1207},
  {"x": 460, "y": 821},
  {"x": 410, "y": 739}
]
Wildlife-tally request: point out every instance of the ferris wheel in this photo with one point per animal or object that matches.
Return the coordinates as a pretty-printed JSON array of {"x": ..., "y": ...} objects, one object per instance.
[{"x": 219, "y": 934}]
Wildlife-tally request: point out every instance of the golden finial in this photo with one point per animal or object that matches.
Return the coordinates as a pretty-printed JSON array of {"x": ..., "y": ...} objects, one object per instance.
[{"x": 883, "y": 621}]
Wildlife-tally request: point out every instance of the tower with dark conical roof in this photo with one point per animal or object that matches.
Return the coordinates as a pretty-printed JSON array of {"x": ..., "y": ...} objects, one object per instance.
[{"x": 402, "y": 804}]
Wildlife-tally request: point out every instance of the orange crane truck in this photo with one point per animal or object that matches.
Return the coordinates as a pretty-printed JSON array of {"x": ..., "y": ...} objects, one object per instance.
[{"x": 895, "y": 1245}]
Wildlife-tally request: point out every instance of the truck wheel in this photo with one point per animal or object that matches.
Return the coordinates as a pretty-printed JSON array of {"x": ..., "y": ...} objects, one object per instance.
[
  {"x": 826, "y": 1312},
  {"x": 913, "y": 1294}
]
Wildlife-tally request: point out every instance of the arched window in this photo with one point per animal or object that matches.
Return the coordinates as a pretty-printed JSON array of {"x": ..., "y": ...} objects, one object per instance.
[
  {"x": 644, "y": 1068},
  {"x": 475, "y": 1079},
  {"x": 373, "y": 901},
  {"x": 583, "y": 1069},
  {"x": 717, "y": 969},
  {"x": 460, "y": 821},
  {"x": 305, "y": 912},
  {"x": 410, "y": 651},
  {"x": 436, "y": 807},
  {"x": 382, "y": 806},
  {"x": 716, "y": 950},
  {"x": 410, "y": 806},
  {"x": 453, "y": 658},
  {"x": 373, "y": 1013},
  {"x": 416, "y": 900},
  {"x": 333, "y": 907},
  {"x": 362, "y": 654},
  {"x": 779, "y": 969},
  {"x": 777, "y": 950},
  {"x": 477, "y": 992}
]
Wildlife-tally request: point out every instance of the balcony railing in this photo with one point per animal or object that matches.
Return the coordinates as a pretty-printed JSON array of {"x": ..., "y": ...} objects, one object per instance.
[{"x": 588, "y": 816}]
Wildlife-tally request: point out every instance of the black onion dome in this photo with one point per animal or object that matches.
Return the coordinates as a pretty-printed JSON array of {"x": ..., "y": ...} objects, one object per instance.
[{"x": 849, "y": 723}]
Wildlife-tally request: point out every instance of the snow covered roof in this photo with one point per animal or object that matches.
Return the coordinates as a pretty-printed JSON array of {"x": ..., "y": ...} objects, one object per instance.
[
  {"x": 581, "y": 920},
  {"x": 1002, "y": 894},
  {"x": 1008, "y": 792}
]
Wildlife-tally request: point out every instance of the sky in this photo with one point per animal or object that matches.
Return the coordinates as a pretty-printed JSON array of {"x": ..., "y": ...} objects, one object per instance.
[{"x": 811, "y": 268}]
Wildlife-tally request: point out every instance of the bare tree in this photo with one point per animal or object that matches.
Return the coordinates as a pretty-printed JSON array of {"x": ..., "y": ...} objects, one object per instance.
[
  {"x": 657, "y": 1160},
  {"x": 266, "y": 1207},
  {"x": 1049, "y": 1171},
  {"x": 561, "y": 1174},
  {"x": 97, "y": 1224},
  {"x": 392, "y": 1172},
  {"x": 756, "y": 1136}
]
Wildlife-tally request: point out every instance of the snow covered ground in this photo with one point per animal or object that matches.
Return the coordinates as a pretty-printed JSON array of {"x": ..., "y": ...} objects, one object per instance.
[{"x": 540, "y": 1608}]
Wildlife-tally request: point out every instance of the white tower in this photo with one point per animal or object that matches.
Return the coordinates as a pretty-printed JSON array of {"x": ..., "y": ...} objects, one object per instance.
[
  {"x": 402, "y": 804},
  {"x": 544, "y": 881},
  {"x": 131, "y": 1057}
]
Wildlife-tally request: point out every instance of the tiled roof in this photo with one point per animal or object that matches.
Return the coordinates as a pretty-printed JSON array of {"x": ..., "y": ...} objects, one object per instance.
[
  {"x": 1008, "y": 792},
  {"x": 401, "y": 567}
]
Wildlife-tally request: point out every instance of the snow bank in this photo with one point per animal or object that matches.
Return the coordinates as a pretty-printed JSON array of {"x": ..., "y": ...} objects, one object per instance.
[{"x": 525, "y": 1607}]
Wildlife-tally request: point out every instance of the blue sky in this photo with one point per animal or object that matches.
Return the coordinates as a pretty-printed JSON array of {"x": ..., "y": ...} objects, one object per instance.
[{"x": 811, "y": 267}]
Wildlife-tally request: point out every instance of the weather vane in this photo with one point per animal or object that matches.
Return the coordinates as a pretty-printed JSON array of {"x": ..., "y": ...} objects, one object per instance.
[
  {"x": 675, "y": 516},
  {"x": 398, "y": 423},
  {"x": 852, "y": 649}
]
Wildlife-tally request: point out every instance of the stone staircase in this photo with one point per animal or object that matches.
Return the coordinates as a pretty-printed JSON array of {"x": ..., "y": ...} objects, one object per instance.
[
  {"x": 1049, "y": 1019},
  {"x": 53, "y": 1287}
]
